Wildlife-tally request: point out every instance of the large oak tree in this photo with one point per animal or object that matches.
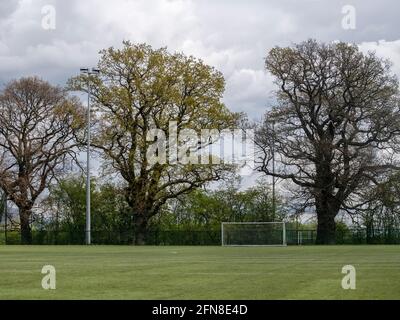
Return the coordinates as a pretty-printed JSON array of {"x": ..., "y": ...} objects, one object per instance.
[
  {"x": 140, "y": 89},
  {"x": 37, "y": 126},
  {"x": 335, "y": 127}
]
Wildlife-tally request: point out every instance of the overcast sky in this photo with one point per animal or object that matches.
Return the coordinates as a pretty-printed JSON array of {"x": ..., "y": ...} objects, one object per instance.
[{"x": 232, "y": 35}]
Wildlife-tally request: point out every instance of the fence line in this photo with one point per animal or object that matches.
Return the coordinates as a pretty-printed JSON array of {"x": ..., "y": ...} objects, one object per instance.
[{"x": 195, "y": 237}]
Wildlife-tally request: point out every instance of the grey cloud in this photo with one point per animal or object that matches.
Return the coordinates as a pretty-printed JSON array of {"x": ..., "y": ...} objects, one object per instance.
[{"x": 234, "y": 36}]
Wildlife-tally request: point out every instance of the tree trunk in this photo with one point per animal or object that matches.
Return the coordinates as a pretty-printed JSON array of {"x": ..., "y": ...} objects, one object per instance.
[
  {"x": 140, "y": 229},
  {"x": 326, "y": 204},
  {"x": 369, "y": 224},
  {"x": 26, "y": 231},
  {"x": 326, "y": 229},
  {"x": 326, "y": 213}
]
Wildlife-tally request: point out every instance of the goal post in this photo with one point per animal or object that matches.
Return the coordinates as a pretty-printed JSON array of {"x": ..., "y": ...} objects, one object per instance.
[
  {"x": 305, "y": 237},
  {"x": 253, "y": 234}
]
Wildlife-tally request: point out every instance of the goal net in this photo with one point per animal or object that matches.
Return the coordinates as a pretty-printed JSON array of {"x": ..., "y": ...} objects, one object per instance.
[{"x": 253, "y": 234}]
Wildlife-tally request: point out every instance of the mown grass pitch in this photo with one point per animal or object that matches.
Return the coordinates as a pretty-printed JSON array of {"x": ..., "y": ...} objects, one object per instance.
[{"x": 127, "y": 272}]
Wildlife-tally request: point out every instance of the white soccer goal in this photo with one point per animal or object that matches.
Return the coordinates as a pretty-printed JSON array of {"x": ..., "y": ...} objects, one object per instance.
[{"x": 253, "y": 234}]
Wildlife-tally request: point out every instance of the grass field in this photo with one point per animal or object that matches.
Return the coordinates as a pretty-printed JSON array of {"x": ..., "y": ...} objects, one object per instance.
[{"x": 117, "y": 272}]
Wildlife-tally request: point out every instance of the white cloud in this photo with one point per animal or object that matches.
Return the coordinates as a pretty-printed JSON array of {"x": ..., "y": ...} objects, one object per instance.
[
  {"x": 249, "y": 90},
  {"x": 385, "y": 49}
]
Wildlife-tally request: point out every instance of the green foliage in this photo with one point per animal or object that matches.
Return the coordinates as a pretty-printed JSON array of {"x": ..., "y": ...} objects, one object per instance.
[
  {"x": 381, "y": 209},
  {"x": 67, "y": 206},
  {"x": 204, "y": 209}
]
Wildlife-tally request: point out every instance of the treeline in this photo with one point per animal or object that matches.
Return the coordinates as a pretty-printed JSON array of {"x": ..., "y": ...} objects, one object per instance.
[
  {"x": 332, "y": 137},
  {"x": 61, "y": 215},
  {"x": 202, "y": 209}
]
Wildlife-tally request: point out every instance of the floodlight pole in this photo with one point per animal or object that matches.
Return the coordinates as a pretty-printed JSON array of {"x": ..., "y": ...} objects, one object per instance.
[
  {"x": 222, "y": 234},
  {"x": 5, "y": 216},
  {"x": 88, "y": 221},
  {"x": 273, "y": 169}
]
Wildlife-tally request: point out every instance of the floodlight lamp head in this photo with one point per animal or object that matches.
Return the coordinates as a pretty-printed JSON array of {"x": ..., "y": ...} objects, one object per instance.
[
  {"x": 95, "y": 70},
  {"x": 84, "y": 70}
]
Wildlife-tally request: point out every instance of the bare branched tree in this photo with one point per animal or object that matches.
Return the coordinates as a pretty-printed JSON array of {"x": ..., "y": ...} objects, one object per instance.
[
  {"x": 337, "y": 124},
  {"x": 37, "y": 127}
]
